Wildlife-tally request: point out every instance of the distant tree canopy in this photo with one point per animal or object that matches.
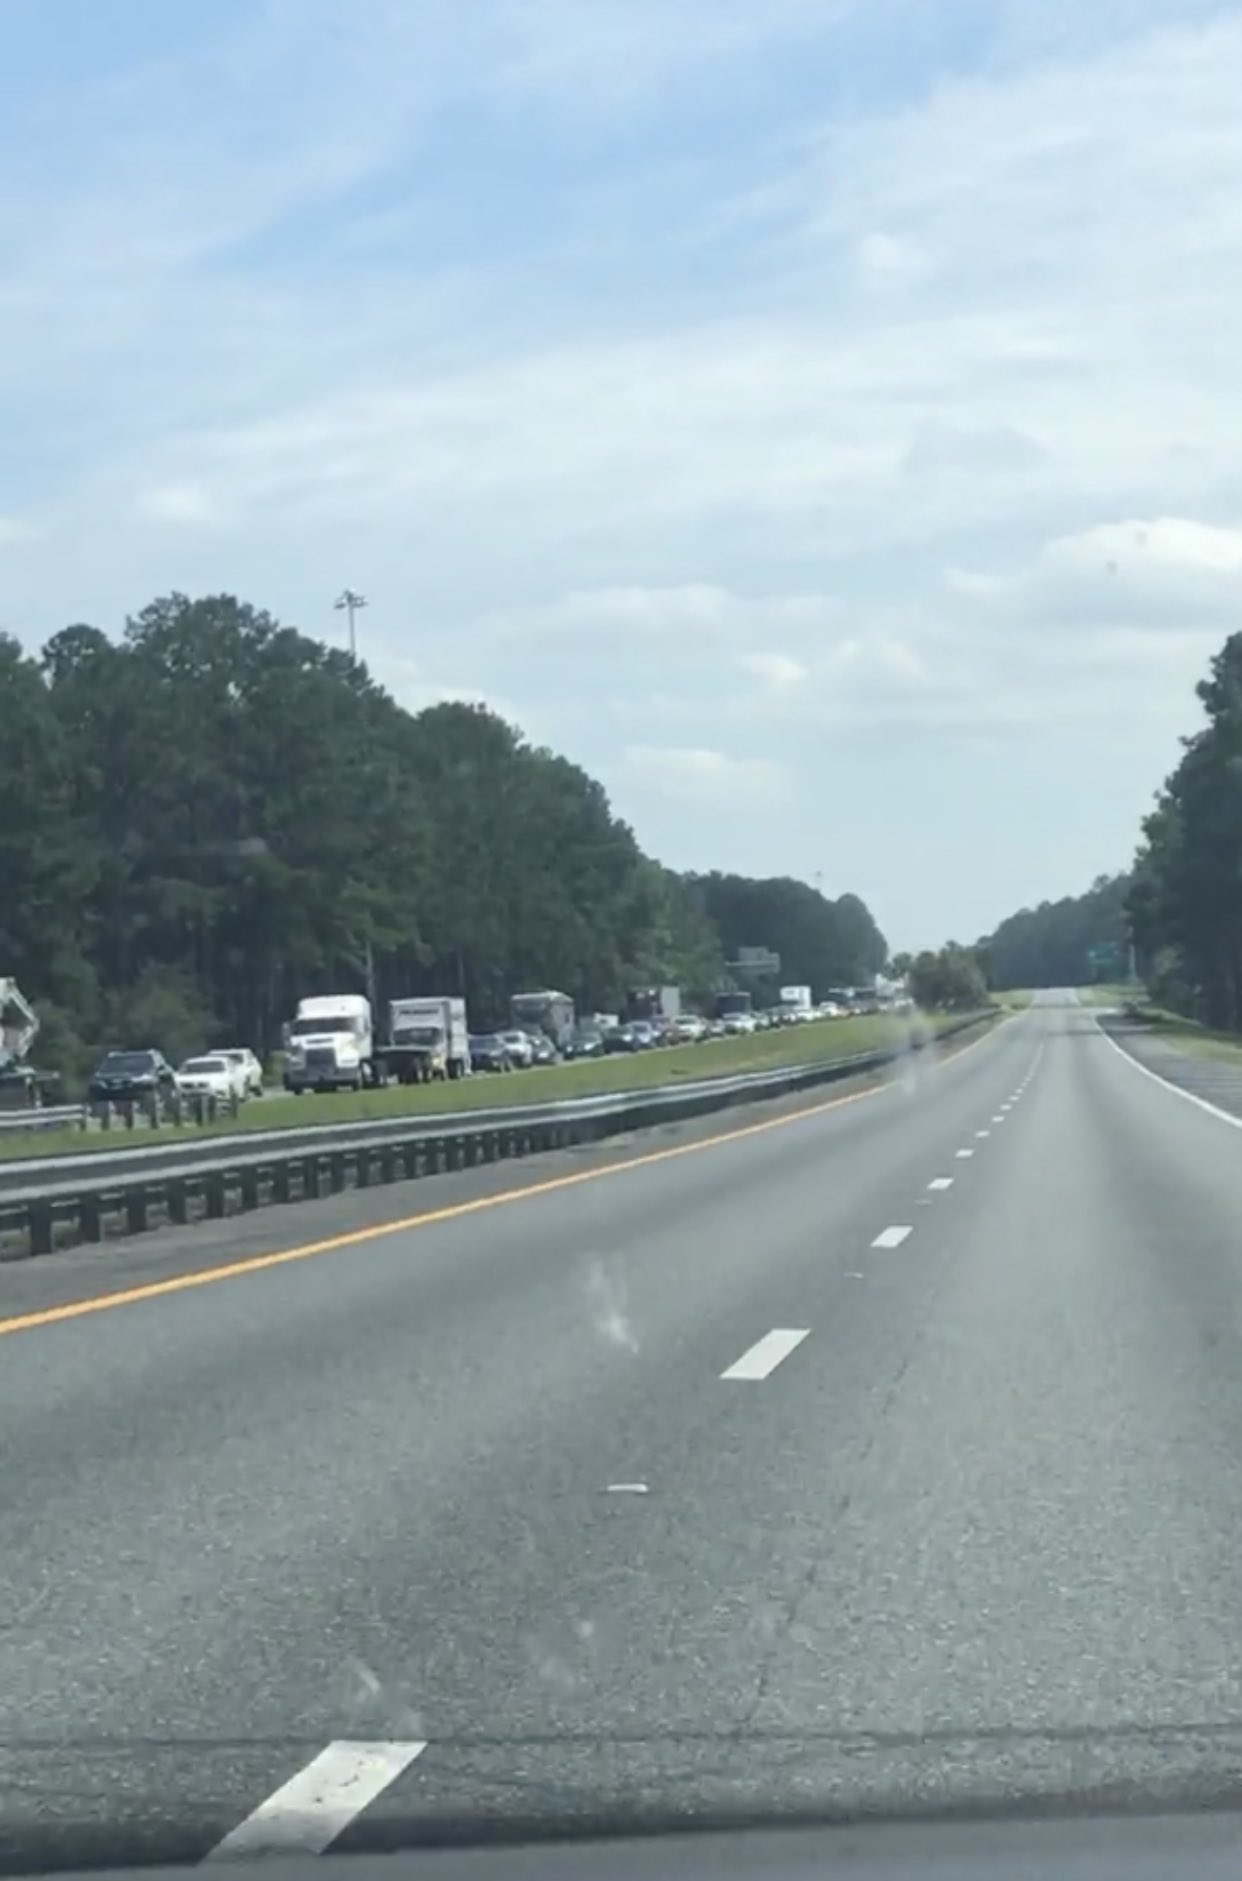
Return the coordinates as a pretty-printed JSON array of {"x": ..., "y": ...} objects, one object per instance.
[
  {"x": 217, "y": 815},
  {"x": 1061, "y": 943},
  {"x": 821, "y": 943}
]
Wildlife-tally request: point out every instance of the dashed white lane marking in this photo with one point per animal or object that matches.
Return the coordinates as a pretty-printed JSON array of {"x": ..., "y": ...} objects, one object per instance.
[
  {"x": 626, "y": 1489},
  {"x": 766, "y": 1354},
  {"x": 999, "y": 1117},
  {"x": 311, "y": 1809},
  {"x": 983, "y": 1133},
  {"x": 891, "y": 1237},
  {"x": 941, "y": 1182},
  {"x": 962, "y": 1154}
]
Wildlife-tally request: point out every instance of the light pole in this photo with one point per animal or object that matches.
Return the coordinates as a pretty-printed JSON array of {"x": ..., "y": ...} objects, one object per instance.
[{"x": 350, "y": 601}]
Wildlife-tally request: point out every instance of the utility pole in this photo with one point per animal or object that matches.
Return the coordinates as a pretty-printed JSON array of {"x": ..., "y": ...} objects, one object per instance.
[{"x": 350, "y": 601}]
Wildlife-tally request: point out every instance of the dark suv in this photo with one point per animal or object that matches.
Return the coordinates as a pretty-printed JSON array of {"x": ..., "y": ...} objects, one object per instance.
[{"x": 124, "y": 1075}]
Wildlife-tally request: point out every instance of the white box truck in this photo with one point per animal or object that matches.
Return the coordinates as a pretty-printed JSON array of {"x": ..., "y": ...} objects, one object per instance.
[
  {"x": 798, "y": 996},
  {"x": 796, "y": 1004},
  {"x": 329, "y": 1046},
  {"x": 428, "y": 1037}
]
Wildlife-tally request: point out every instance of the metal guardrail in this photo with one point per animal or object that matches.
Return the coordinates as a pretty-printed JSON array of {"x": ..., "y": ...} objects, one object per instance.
[
  {"x": 49, "y": 1117},
  {"x": 60, "y": 1200}
]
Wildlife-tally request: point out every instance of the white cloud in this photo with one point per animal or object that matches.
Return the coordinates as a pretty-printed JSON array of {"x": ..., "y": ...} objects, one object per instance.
[
  {"x": 582, "y": 52},
  {"x": 178, "y": 503},
  {"x": 1168, "y": 573},
  {"x": 708, "y": 778},
  {"x": 885, "y": 262},
  {"x": 777, "y": 671}
]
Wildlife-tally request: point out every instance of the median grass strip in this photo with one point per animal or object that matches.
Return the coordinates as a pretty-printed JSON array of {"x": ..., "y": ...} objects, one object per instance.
[{"x": 821, "y": 1042}]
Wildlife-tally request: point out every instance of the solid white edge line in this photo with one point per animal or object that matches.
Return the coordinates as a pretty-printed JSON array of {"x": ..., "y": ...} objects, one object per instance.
[
  {"x": 941, "y": 1182},
  {"x": 315, "y": 1805},
  {"x": 1200, "y": 1103},
  {"x": 761, "y": 1359},
  {"x": 891, "y": 1237}
]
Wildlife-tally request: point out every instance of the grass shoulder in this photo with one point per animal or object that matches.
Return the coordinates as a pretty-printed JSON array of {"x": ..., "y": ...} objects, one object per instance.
[{"x": 825, "y": 1041}]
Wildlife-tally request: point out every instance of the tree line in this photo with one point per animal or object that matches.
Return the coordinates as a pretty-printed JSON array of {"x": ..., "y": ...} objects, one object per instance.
[
  {"x": 1185, "y": 898},
  {"x": 215, "y": 815},
  {"x": 1069, "y": 942}
]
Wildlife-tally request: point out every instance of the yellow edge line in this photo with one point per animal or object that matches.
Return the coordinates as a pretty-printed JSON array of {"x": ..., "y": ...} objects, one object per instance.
[{"x": 260, "y": 1263}]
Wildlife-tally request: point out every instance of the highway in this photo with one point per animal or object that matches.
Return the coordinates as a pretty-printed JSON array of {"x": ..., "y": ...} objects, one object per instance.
[{"x": 876, "y": 1452}]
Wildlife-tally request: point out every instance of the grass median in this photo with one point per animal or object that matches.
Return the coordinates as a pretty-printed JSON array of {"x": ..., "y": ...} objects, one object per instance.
[{"x": 824, "y": 1041}]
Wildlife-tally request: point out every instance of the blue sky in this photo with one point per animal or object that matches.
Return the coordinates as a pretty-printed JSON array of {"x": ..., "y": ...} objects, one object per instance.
[{"x": 817, "y": 417}]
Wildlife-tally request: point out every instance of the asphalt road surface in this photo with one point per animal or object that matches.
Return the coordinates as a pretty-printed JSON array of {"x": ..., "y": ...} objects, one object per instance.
[{"x": 880, "y": 1455}]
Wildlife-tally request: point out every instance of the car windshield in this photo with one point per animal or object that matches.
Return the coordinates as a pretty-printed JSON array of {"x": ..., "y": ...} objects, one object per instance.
[{"x": 604, "y": 512}]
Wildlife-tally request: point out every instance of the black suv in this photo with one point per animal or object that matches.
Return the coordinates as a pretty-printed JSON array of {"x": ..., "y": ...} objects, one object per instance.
[{"x": 124, "y": 1075}]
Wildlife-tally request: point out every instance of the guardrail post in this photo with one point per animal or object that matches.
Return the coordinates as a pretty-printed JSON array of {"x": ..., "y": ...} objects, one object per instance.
[
  {"x": 213, "y": 1193},
  {"x": 387, "y": 1163},
  {"x": 280, "y": 1180},
  {"x": 249, "y": 1186},
  {"x": 336, "y": 1171},
  {"x": 177, "y": 1200},
  {"x": 136, "y": 1209},
  {"x": 90, "y": 1218},
  {"x": 362, "y": 1168},
  {"x": 127, "y": 1111},
  {"x": 39, "y": 1227},
  {"x": 310, "y": 1177}
]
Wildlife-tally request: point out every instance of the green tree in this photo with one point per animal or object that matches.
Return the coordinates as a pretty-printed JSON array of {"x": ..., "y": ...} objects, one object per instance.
[{"x": 950, "y": 980}]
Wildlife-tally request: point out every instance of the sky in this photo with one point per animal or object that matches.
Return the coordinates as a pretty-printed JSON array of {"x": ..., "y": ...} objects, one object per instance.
[{"x": 820, "y": 419}]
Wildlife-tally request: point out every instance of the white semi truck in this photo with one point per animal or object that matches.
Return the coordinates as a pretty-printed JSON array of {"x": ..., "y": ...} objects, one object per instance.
[{"x": 330, "y": 1045}]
